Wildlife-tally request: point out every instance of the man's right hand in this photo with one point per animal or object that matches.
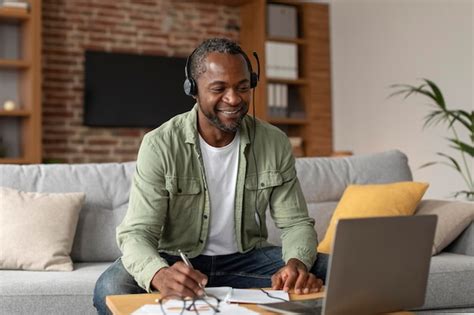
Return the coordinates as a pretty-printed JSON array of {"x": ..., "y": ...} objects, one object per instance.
[{"x": 180, "y": 280}]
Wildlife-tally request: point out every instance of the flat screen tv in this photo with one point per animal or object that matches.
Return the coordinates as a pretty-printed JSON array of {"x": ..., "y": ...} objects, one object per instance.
[{"x": 126, "y": 90}]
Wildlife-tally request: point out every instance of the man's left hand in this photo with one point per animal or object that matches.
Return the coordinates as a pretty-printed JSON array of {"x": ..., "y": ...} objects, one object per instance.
[{"x": 296, "y": 276}]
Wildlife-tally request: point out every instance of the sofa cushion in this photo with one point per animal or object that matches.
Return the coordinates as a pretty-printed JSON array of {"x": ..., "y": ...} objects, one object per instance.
[
  {"x": 107, "y": 188},
  {"x": 453, "y": 218},
  {"x": 464, "y": 244},
  {"x": 325, "y": 179},
  {"x": 36, "y": 292},
  {"x": 450, "y": 282},
  {"x": 37, "y": 229},
  {"x": 361, "y": 201}
]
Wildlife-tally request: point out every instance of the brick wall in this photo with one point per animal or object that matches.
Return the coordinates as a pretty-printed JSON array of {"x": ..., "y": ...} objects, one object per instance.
[{"x": 156, "y": 27}]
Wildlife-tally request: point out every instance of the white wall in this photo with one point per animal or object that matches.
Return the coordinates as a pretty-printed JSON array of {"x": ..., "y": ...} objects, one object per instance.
[{"x": 376, "y": 43}]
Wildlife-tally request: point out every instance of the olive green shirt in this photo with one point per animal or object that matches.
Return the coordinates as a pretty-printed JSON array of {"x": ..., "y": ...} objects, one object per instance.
[{"x": 169, "y": 203}]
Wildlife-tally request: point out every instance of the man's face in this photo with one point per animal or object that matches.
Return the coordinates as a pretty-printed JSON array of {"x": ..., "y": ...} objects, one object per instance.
[{"x": 223, "y": 91}]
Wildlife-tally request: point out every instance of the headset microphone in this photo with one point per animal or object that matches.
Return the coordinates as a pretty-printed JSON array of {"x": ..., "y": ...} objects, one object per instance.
[{"x": 258, "y": 67}]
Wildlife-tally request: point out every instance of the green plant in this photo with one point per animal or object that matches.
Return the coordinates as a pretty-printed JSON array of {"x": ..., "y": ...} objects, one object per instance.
[{"x": 454, "y": 119}]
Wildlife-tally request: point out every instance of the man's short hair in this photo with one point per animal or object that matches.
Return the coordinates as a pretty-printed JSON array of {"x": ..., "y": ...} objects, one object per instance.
[{"x": 221, "y": 45}]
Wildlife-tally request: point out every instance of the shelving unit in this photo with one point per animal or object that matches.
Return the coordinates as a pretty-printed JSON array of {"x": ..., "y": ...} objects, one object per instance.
[
  {"x": 20, "y": 80},
  {"x": 314, "y": 82}
]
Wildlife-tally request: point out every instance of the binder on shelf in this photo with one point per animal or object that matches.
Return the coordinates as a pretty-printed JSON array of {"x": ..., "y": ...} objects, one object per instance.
[
  {"x": 278, "y": 103},
  {"x": 282, "y": 100},
  {"x": 295, "y": 104},
  {"x": 281, "y": 60},
  {"x": 15, "y": 4},
  {"x": 282, "y": 21},
  {"x": 271, "y": 99}
]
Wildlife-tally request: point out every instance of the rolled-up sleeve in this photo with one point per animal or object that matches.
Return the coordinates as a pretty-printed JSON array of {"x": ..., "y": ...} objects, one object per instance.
[
  {"x": 139, "y": 233},
  {"x": 290, "y": 214}
]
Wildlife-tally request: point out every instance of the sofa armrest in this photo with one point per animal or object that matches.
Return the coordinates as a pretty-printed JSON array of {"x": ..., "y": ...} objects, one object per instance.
[{"x": 464, "y": 244}]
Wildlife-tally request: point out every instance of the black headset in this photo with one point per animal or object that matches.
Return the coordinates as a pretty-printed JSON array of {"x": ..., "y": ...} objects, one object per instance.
[{"x": 190, "y": 85}]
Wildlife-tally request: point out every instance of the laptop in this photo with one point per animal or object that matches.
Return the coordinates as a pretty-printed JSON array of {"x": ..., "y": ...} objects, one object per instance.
[{"x": 377, "y": 265}]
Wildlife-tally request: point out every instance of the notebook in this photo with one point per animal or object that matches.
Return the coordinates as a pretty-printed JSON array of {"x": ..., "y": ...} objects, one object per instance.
[{"x": 378, "y": 265}]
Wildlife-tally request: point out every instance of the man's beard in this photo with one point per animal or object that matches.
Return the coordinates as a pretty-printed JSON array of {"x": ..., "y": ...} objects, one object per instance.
[{"x": 214, "y": 119}]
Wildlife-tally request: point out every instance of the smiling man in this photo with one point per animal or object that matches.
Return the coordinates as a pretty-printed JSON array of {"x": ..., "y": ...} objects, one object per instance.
[{"x": 202, "y": 185}]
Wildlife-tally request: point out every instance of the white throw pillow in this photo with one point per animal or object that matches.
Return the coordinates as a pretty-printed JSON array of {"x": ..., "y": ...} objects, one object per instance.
[
  {"x": 37, "y": 229},
  {"x": 453, "y": 218}
]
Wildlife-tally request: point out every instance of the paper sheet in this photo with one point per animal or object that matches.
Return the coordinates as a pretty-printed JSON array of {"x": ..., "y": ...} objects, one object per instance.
[
  {"x": 253, "y": 296},
  {"x": 175, "y": 307}
]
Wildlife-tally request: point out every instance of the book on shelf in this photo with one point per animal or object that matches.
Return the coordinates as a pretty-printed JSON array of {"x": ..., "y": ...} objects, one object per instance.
[
  {"x": 282, "y": 21},
  {"x": 277, "y": 96},
  {"x": 281, "y": 60},
  {"x": 18, "y": 4}
]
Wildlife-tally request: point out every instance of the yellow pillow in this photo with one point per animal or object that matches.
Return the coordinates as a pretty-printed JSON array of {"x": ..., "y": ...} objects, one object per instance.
[{"x": 362, "y": 201}]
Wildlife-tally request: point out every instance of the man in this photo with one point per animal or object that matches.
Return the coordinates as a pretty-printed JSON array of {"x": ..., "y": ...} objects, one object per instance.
[{"x": 202, "y": 184}]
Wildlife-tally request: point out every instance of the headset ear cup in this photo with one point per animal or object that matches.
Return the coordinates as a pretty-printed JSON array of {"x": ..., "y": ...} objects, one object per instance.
[
  {"x": 253, "y": 80},
  {"x": 189, "y": 87}
]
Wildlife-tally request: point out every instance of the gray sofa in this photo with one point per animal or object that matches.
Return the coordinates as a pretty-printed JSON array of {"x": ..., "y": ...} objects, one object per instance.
[{"x": 451, "y": 280}]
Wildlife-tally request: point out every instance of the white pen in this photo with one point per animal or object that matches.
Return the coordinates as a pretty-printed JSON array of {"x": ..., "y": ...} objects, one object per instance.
[{"x": 188, "y": 263}]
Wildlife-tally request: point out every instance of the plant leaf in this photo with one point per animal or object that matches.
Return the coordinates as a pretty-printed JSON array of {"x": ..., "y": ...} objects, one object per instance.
[
  {"x": 428, "y": 164},
  {"x": 458, "y": 115},
  {"x": 462, "y": 146},
  {"x": 453, "y": 161},
  {"x": 437, "y": 93},
  {"x": 434, "y": 118},
  {"x": 469, "y": 194}
]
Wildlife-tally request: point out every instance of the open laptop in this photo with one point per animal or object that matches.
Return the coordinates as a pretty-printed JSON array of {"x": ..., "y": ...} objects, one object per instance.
[{"x": 377, "y": 265}]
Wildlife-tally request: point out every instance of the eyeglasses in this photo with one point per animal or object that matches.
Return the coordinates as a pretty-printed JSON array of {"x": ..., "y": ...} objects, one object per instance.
[
  {"x": 174, "y": 304},
  {"x": 272, "y": 296}
]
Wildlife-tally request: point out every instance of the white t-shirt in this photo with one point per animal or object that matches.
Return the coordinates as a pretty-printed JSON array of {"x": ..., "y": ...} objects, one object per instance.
[{"x": 221, "y": 166}]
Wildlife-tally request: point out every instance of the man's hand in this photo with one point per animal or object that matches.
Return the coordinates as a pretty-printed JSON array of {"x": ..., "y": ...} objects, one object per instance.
[
  {"x": 180, "y": 280},
  {"x": 295, "y": 275}
]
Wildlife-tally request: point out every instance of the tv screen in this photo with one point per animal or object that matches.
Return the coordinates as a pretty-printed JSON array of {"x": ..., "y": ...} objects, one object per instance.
[{"x": 126, "y": 90}]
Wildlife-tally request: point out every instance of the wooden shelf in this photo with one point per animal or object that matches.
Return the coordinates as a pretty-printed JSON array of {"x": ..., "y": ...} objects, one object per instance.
[
  {"x": 11, "y": 63},
  {"x": 14, "y": 14},
  {"x": 311, "y": 91},
  {"x": 14, "y": 161},
  {"x": 231, "y": 3},
  {"x": 287, "y": 121},
  {"x": 299, "y": 41},
  {"x": 288, "y": 81},
  {"x": 27, "y": 90},
  {"x": 290, "y": 2},
  {"x": 15, "y": 113}
]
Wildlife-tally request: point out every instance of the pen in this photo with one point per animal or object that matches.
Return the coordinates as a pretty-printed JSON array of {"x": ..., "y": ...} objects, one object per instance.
[{"x": 188, "y": 263}]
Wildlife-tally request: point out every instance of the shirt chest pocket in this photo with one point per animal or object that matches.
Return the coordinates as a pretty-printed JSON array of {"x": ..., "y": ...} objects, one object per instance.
[
  {"x": 178, "y": 186},
  {"x": 260, "y": 188},
  {"x": 184, "y": 195},
  {"x": 263, "y": 180}
]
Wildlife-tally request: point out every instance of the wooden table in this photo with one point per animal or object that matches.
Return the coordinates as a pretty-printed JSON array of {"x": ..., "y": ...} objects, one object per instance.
[{"x": 126, "y": 304}]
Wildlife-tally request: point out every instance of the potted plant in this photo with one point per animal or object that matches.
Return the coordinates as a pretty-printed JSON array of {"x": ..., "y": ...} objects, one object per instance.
[{"x": 453, "y": 119}]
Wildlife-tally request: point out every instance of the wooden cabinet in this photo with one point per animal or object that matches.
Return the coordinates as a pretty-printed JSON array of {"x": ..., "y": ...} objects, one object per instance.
[
  {"x": 313, "y": 84},
  {"x": 20, "y": 81}
]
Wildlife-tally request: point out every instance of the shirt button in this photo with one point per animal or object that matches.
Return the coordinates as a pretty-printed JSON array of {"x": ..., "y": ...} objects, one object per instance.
[
  {"x": 205, "y": 216},
  {"x": 262, "y": 184},
  {"x": 179, "y": 190},
  {"x": 201, "y": 241}
]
